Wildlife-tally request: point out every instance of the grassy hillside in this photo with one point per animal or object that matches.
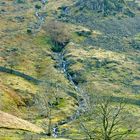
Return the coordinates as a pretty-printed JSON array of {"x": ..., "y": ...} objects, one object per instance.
[{"x": 101, "y": 58}]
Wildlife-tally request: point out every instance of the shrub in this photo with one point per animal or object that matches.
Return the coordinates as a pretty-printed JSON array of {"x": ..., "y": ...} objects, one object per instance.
[{"x": 58, "y": 33}]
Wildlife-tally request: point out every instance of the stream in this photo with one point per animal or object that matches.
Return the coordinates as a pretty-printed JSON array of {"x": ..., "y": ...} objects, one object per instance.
[
  {"x": 40, "y": 17},
  {"x": 62, "y": 66}
]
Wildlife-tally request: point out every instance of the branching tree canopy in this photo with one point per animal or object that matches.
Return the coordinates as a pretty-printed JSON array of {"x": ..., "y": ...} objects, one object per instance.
[{"x": 106, "y": 120}]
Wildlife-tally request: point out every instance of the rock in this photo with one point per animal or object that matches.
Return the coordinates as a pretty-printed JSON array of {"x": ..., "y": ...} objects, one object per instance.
[
  {"x": 84, "y": 32},
  {"x": 105, "y": 7},
  {"x": 64, "y": 10},
  {"x": 12, "y": 122}
]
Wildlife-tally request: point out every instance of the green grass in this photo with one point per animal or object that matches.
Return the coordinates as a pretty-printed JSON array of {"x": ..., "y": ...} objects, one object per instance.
[{"x": 100, "y": 64}]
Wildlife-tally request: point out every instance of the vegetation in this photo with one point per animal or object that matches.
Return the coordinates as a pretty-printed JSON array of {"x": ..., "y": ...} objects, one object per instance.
[
  {"x": 105, "y": 120},
  {"x": 49, "y": 100},
  {"x": 58, "y": 33},
  {"x": 106, "y": 7},
  {"x": 65, "y": 63}
]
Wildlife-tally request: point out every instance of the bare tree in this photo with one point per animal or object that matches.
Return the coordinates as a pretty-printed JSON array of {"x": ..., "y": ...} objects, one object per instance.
[
  {"x": 48, "y": 98},
  {"x": 105, "y": 120}
]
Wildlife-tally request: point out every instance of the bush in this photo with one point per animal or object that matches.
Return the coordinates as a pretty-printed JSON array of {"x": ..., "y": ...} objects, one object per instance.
[{"x": 58, "y": 33}]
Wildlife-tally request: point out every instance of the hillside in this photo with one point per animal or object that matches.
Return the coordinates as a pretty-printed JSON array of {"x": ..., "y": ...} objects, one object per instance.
[
  {"x": 55, "y": 56},
  {"x": 105, "y": 7}
]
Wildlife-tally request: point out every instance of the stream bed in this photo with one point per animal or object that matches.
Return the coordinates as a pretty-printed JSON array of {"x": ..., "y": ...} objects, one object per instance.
[{"x": 62, "y": 66}]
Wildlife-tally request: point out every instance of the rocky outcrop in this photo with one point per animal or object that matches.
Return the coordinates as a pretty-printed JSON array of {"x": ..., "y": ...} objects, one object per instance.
[
  {"x": 106, "y": 7},
  {"x": 8, "y": 121}
]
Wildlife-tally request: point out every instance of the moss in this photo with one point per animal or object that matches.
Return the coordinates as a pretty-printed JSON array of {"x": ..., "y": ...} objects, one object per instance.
[{"x": 42, "y": 41}]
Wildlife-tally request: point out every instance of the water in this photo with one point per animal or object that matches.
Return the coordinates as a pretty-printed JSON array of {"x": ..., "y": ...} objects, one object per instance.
[
  {"x": 62, "y": 65},
  {"x": 55, "y": 132},
  {"x": 81, "y": 102},
  {"x": 40, "y": 17}
]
